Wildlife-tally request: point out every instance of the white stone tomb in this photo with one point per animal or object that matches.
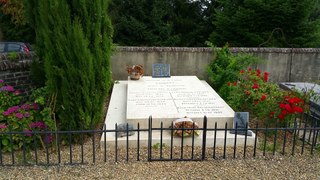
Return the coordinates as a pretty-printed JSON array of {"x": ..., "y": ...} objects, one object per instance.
[{"x": 166, "y": 99}]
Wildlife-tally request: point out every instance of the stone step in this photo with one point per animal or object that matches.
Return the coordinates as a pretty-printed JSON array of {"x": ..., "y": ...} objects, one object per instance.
[{"x": 166, "y": 139}]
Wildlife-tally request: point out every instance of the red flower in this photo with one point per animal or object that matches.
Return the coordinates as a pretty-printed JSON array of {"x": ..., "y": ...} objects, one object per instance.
[
  {"x": 229, "y": 83},
  {"x": 235, "y": 83},
  {"x": 242, "y": 72},
  {"x": 256, "y": 102},
  {"x": 294, "y": 100},
  {"x": 255, "y": 86},
  {"x": 258, "y": 72},
  {"x": 288, "y": 108},
  {"x": 263, "y": 97},
  {"x": 282, "y": 105},
  {"x": 281, "y": 116},
  {"x": 284, "y": 112},
  {"x": 297, "y": 109},
  {"x": 249, "y": 69},
  {"x": 247, "y": 92},
  {"x": 265, "y": 77}
]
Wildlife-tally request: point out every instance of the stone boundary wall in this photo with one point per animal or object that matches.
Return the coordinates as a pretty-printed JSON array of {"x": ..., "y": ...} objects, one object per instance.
[
  {"x": 284, "y": 64},
  {"x": 16, "y": 72}
]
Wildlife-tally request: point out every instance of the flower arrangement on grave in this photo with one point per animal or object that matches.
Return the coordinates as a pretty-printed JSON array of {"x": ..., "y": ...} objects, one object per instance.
[
  {"x": 135, "y": 71},
  {"x": 185, "y": 127}
]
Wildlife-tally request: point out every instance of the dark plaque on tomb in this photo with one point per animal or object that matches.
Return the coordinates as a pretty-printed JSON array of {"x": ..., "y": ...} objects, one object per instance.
[
  {"x": 161, "y": 70},
  {"x": 123, "y": 129},
  {"x": 241, "y": 119}
]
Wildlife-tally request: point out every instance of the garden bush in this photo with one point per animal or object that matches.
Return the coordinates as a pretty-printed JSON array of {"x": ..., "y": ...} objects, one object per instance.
[
  {"x": 253, "y": 92},
  {"x": 225, "y": 68},
  {"x": 18, "y": 116}
]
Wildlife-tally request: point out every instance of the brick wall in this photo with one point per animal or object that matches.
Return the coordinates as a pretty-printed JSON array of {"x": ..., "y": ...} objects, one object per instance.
[
  {"x": 19, "y": 78},
  {"x": 17, "y": 73}
]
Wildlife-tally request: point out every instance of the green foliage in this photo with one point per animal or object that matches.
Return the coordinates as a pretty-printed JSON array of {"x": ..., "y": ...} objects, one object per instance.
[
  {"x": 250, "y": 23},
  {"x": 37, "y": 73},
  {"x": 74, "y": 43},
  {"x": 158, "y": 145},
  {"x": 225, "y": 68},
  {"x": 16, "y": 116},
  {"x": 252, "y": 92},
  {"x": 161, "y": 22},
  {"x": 15, "y": 32},
  {"x": 142, "y": 22},
  {"x": 13, "y": 56}
]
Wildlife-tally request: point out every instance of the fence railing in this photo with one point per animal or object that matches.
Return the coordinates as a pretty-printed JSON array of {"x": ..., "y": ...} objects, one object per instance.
[{"x": 93, "y": 146}]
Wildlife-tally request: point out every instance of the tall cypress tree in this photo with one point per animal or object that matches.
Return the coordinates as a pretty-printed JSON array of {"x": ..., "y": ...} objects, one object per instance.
[{"x": 74, "y": 41}]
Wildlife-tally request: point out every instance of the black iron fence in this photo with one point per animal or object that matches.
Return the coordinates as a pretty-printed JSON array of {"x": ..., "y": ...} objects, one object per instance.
[{"x": 94, "y": 146}]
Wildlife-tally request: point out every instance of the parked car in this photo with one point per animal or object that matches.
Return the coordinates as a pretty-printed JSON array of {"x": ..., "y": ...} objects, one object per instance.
[{"x": 21, "y": 47}]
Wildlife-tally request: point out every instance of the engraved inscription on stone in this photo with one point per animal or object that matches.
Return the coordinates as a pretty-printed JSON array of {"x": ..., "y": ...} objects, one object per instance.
[{"x": 173, "y": 97}]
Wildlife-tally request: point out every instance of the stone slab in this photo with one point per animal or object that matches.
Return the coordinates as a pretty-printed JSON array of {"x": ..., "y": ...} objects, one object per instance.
[
  {"x": 167, "y": 99},
  {"x": 117, "y": 114}
]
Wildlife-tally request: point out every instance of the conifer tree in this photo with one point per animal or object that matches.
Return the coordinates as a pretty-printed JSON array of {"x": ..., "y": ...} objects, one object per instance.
[{"x": 74, "y": 42}]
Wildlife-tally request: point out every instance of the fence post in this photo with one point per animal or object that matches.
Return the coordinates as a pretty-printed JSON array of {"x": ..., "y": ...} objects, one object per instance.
[
  {"x": 149, "y": 137},
  {"x": 204, "y": 138}
]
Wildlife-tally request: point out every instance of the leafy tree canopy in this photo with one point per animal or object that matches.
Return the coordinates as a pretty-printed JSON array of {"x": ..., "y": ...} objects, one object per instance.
[
  {"x": 278, "y": 23},
  {"x": 161, "y": 22}
]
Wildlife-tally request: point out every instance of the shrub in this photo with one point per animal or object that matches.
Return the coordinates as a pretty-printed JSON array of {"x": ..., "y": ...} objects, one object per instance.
[
  {"x": 252, "y": 92},
  {"x": 16, "y": 116},
  {"x": 225, "y": 68}
]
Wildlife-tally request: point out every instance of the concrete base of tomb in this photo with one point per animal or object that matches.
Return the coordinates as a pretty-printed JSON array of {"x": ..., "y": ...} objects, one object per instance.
[{"x": 176, "y": 141}]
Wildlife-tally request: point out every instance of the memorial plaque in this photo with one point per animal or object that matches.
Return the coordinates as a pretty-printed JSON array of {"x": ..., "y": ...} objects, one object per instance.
[
  {"x": 241, "y": 119},
  {"x": 169, "y": 98},
  {"x": 161, "y": 70}
]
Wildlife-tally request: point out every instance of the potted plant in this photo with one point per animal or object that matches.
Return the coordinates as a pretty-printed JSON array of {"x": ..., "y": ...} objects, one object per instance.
[{"x": 135, "y": 72}]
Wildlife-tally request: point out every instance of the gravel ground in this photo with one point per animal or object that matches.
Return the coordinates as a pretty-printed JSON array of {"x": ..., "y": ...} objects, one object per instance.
[
  {"x": 277, "y": 168},
  {"x": 262, "y": 167}
]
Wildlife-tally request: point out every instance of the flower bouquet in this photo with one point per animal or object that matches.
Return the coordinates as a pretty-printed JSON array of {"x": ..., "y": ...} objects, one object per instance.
[
  {"x": 183, "y": 127},
  {"x": 135, "y": 72}
]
